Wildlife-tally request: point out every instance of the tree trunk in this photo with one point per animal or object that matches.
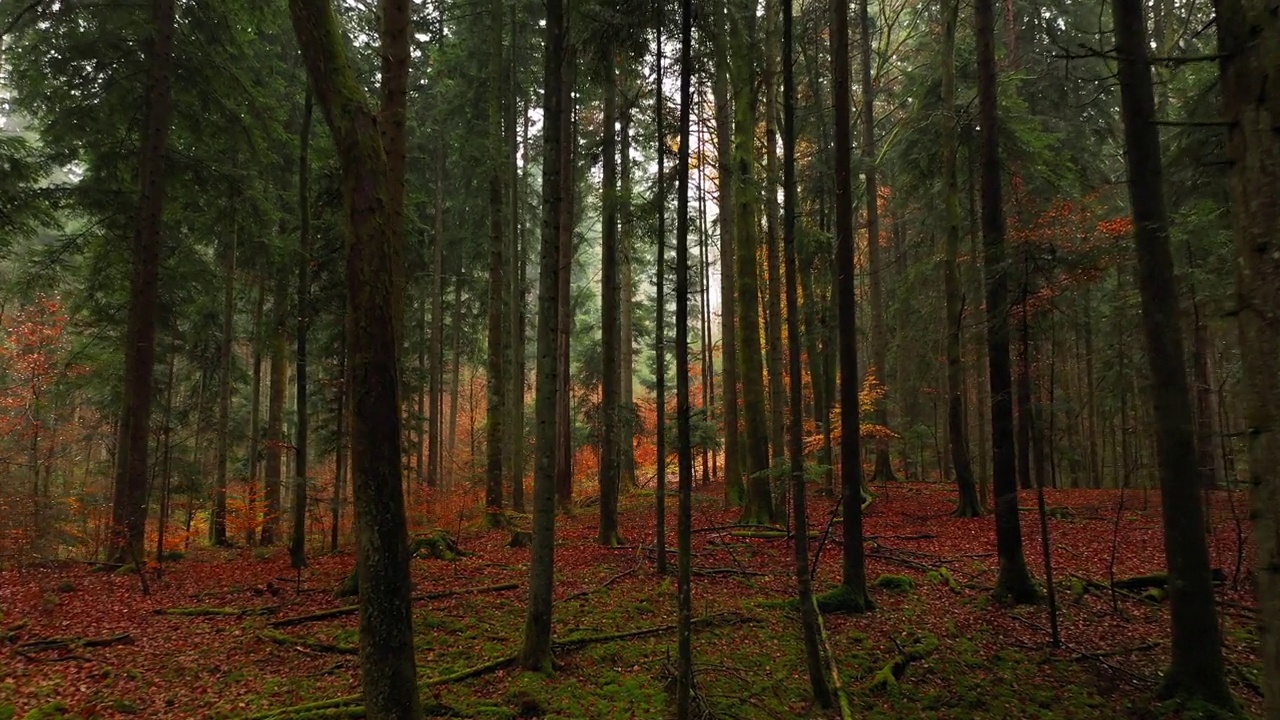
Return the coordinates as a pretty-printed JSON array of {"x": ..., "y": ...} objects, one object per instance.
[
  {"x": 626, "y": 308},
  {"x": 564, "y": 323},
  {"x": 804, "y": 583},
  {"x": 758, "y": 507},
  {"x": 610, "y": 292},
  {"x": 1249, "y": 38},
  {"x": 219, "y": 537},
  {"x": 129, "y": 497},
  {"x": 1014, "y": 582},
  {"x": 966, "y": 491},
  {"x": 659, "y": 320},
  {"x": 298, "y": 542},
  {"x": 255, "y": 417},
  {"x": 342, "y": 430},
  {"x": 684, "y": 430},
  {"x": 434, "y": 444},
  {"x": 875, "y": 266},
  {"x": 275, "y": 414},
  {"x": 515, "y": 280},
  {"x": 773, "y": 269},
  {"x": 388, "y": 675},
  {"x": 498, "y": 336},
  {"x": 853, "y": 581},
  {"x": 734, "y": 488},
  {"x": 535, "y": 653},
  {"x": 1196, "y": 667},
  {"x": 1025, "y": 417}
]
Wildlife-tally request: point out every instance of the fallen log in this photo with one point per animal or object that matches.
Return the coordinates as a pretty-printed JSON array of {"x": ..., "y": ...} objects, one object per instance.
[
  {"x": 846, "y": 710},
  {"x": 217, "y": 611},
  {"x": 308, "y": 643},
  {"x": 77, "y": 642},
  {"x": 888, "y": 676},
  {"x": 353, "y": 609},
  {"x": 607, "y": 583}
]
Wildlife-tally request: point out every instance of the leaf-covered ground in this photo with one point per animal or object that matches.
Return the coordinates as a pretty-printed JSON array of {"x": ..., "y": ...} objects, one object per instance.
[{"x": 978, "y": 659}]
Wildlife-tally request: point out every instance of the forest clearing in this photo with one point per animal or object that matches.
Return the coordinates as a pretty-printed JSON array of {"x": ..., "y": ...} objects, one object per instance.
[{"x": 975, "y": 658}]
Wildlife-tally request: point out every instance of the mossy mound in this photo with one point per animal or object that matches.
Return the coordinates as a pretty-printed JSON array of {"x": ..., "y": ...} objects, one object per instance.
[
  {"x": 840, "y": 599},
  {"x": 895, "y": 583}
]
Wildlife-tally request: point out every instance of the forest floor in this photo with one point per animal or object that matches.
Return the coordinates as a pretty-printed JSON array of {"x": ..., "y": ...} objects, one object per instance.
[{"x": 971, "y": 658}]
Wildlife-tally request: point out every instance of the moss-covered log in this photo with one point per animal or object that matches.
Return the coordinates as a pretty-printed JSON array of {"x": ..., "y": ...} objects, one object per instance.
[
  {"x": 308, "y": 643},
  {"x": 217, "y": 611},
  {"x": 68, "y": 642},
  {"x": 351, "y": 609}
]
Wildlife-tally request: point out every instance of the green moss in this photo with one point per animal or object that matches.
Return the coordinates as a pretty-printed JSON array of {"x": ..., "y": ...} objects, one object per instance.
[
  {"x": 7, "y": 711},
  {"x": 895, "y": 583},
  {"x": 52, "y": 711},
  {"x": 840, "y": 599},
  {"x": 124, "y": 706}
]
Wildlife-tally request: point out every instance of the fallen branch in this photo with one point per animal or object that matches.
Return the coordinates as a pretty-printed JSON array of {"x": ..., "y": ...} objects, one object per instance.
[
  {"x": 308, "y": 643},
  {"x": 1122, "y": 651},
  {"x": 69, "y": 642},
  {"x": 349, "y": 706},
  {"x": 1140, "y": 681},
  {"x": 10, "y": 631},
  {"x": 892, "y": 673},
  {"x": 846, "y": 710},
  {"x": 607, "y": 583},
  {"x": 712, "y": 572},
  {"x": 220, "y": 611},
  {"x": 353, "y": 609}
]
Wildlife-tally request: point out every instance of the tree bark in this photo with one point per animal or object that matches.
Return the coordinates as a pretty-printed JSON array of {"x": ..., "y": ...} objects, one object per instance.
[
  {"x": 1014, "y": 582},
  {"x": 388, "y": 674},
  {"x": 1196, "y": 666},
  {"x": 773, "y": 269},
  {"x": 219, "y": 537},
  {"x": 275, "y": 413},
  {"x": 966, "y": 490},
  {"x": 1249, "y": 37},
  {"x": 564, "y": 324},
  {"x": 734, "y": 488},
  {"x": 626, "y": 285},
  {"x": 498, "y": 337},
  {"x": 255, "y": 417},
  {"x": 610, "y": 294},
  {"x": 659, "y": 321},
  {"x": 129, "y": 496},
  {"x": 535, "y": 652},
  {"x": 298, "y": 542}
]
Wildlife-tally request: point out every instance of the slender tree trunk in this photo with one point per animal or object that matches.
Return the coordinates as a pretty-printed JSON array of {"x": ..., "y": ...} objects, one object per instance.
[
  {"x": 804, "y": 583},
  {"x": 684, "y": 430},
  {"x": 387, "y": 671},
  {"x": 298, "y": 543},
  {"x": 734, "y": 487},
  {"x": 434, "y": 445},
  {"x": 1024, "y": 414},
  {"x": 773, "y": 270},
  {"x": 255, "y": 417},
  {"x": 875, "y": 266},
  {"x": 165, "y": 465},
  {"x": 659, "y": 320},
  {"x": 610, "y": 294},
  {"x": 516, "y": 279},
  {"x": 1196, "y": 667},
  {"x": 219, "y": 537},
  {"x": 1014, "y": 582},
  {"x": 129, "y": 498},
  {"x": 498, "y": 336},
  {"x": 342, "y": 431},
  {"x": 626, "y": 308},
  {"x": 1091, "y": 395},
  {"x": 564, "y": 324},
  {"x": 455, "y": 382},
  {"x": 966, "y": 491},
  {"x": 535, "y": 653},
  {"x": 275, "y": 414},
  {"x": 853, "y": 581}
]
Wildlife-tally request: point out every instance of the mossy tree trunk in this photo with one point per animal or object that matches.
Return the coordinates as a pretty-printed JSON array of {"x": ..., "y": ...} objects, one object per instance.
[
  {"x": 758, "y": 507},
  {"x": 388, "y": 674}
]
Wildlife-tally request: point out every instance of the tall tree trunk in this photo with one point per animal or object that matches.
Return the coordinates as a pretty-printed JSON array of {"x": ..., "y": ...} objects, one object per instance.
[
  {"x": 1091, "y": 393},
  {"x": 804, "y": 583},
  {"x": 395, "y": 29},
  {"x": 298, "y": 543},
  {"x": 434, "y": 444},
  {"x": 773, "y": 269},
  {"x": 387, "y": 671},
  {"x": 758, "y": 507},
  {"x": 1249, "y": 37},
  {"x": 129, "y": 496},
  {"x": 1014, "y": 582},
  {"x": 255, "y": 417},
  {"x": 1196, "y": 667},
  {"x": 883, "y": 471},
  {"x": 610, "y": 292},
  {"x": 626, "y": 285},
  {"x": 535, "y": 653},
  {"x": 275, "y": 413},
  {"x": 853, "y": 594},
  {"x": 498, "y": 336},
  {"x": 1026, "y": 419},
  {"x": 966, "y": 491},
  {"x": 735, "y": 489},
  {"x": 659, "y": 320},
  {"x": 684, "y": 430},
  {"x": 515, "y": 280},
  {"x": 564, "y": 324},
  {"x": 342, "y": 431},
  {"x": 219, "y": 537}
]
